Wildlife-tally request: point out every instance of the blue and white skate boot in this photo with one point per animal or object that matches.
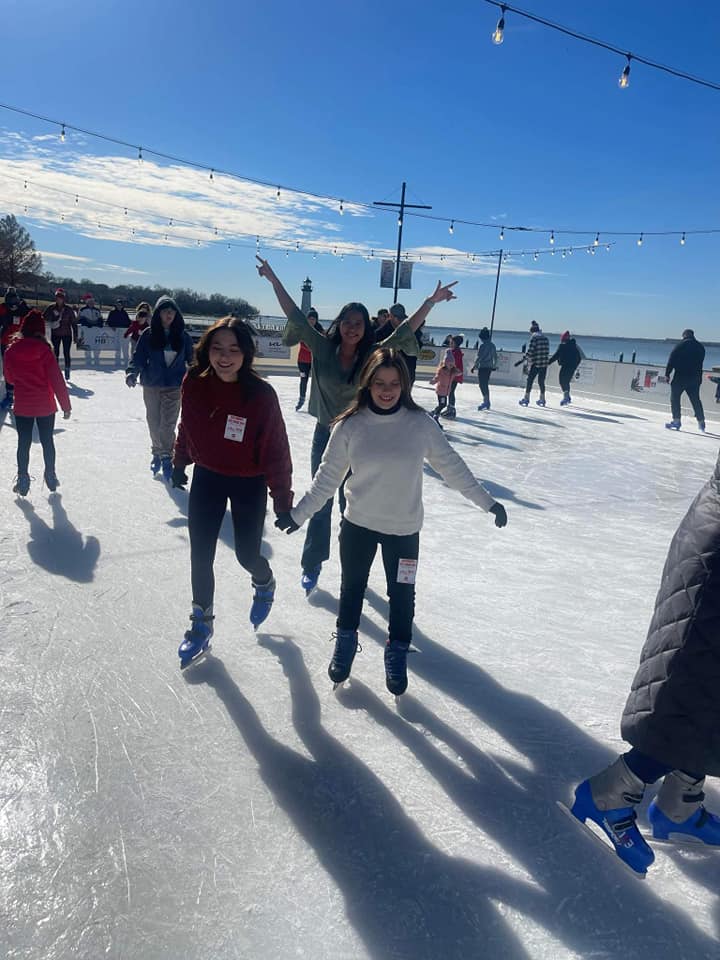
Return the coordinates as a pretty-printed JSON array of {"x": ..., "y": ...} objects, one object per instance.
[
  {"x": 396, "y": 667},
  {"x": 309, "y": 579},
  {"x": 678, "y": 813},
  {"x": 485, "y": 405},
  {"x": 263, "y": 597},
  {"x": 155, "y": 465},
  {"x": 524, "y": 402},
  {"x": 166, "y": 464},
  {"x": 673, "y": 425},
  {"x": 540, "y": 402},
  {"x": 346, "y": 646},
  {"x": 22, "y": 485},
  {"x": 197, "y": 639},
  {"x": 609, "y": 799},
  {"x": 565, "y": 400}
]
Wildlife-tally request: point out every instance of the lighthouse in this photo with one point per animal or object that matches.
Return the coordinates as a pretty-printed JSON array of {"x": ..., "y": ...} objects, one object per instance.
[{"x": 306, "y": 296}]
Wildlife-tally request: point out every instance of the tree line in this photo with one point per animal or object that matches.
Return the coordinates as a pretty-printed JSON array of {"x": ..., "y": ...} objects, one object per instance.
[{"x": 21, "y": 267}]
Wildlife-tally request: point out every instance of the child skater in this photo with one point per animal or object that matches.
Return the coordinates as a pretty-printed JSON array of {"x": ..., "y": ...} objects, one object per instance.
[
  {"x": 672, "y": 716},
  {"x": 31, "y": 367},
  {"x": 160, "y": 360},
  {"x": 232, "y": 429},
  {"x": 383, "y": 438},
  {"x": 140, "y": 323},
  {"x": 443, "y": 380}
]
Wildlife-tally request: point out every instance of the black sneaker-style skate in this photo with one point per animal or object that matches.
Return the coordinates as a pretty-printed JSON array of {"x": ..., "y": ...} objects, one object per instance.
[
  {"x": 51, "y": 481},
  {"x": 22, "y": 485},
  {"x": 396, "y": 667},
  {"x": 346, "y": 646}
]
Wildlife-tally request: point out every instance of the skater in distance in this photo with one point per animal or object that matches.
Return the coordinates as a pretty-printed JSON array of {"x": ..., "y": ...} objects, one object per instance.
[
  {"x": 338, "y": 358},
  {"x": 569, "y": 356},
  {"x": 443, "y": 381},
  {"x": 686, "y": 361},
  {"x": 485, "y": 363},
  {"x": 232, "y": 429},
  {"x": 672, "y": 716},
  {"x": 383, "y": 439},
  {"x": 536, "y": 357}
]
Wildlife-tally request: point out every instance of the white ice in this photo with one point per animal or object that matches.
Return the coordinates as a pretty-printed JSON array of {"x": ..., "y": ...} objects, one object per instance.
[{"x": 244, "y": 810}]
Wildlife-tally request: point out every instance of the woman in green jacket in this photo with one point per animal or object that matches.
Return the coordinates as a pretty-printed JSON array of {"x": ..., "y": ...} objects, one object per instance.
[{"x": 338, "y": 357}]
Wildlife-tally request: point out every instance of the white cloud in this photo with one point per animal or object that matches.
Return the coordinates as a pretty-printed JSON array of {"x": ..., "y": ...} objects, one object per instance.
[{"x": 71, "y": 258}]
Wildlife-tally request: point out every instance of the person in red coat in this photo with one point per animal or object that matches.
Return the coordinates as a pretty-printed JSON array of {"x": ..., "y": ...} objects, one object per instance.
[
  {"x": 304, "y": 359},
  {"x": 31, "y": 367},
  {"x": 232, "y": 429}
]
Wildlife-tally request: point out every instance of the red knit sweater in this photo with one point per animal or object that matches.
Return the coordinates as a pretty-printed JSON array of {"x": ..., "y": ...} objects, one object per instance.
[{"x": 261, "y": 447}]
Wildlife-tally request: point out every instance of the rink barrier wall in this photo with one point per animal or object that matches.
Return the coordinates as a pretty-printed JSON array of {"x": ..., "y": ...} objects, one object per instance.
[{"x": 633, "y": 383}]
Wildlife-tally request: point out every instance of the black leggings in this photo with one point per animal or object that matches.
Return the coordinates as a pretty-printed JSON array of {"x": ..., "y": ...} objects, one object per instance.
[
  {"x": 358, "y": 547},
  {"x": 648, "y": 769},
  {"x": 66, "y": 341},
  {"x": 207, "y": 503},
  {"x": 304, "y": 369},
  {"x": 441, "y": 404},
  {"x": 538, "y": 372},
  {"x": 565, "y": 377},
  {"x": 451, "y": 398},
  {"x": 24, "y": 427},
  {"x": 484, "y": 382}
]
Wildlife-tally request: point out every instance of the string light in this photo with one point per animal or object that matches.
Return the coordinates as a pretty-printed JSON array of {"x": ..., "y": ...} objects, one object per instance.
[
  {"x": 640, "y": 240},
  {"x": 257, "y": 242},
  {"x": 502, "y": 233},
  {"x": 451, "y": 228},
  {"x": 535, "y": 255},
  {"x": 25, "y": 185},
  {"x": 77, "y": 199},
  {"x": 297, "y": 245},
  {"x": 62, "y": 134},
  {"x": 399, "y": 221},
  {"x": 607, "y": 247},
  {"x": 499, "y": 31},
  {"x": 564, "y": 254},
  {"x": 596, "y": 242},
  {"x": 552, "y": 236},
  {"x": 342, "y": 208},
  {"x": 140, "y": 156},
  {"x": 228, "y": 248},
  {"x": 624, "y": 81},
  {"x": 212, "y": 174},
  {"x": 125, "y": 208},
  {"x": 277, "y": 195},
  {"x": 682, "y": 240}
]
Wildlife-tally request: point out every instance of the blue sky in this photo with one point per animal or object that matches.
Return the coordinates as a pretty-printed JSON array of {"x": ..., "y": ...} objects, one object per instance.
[{"x": 349, "y": 100}]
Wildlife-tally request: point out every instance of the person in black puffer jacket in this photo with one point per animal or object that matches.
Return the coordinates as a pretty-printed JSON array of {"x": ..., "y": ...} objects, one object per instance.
[
  {"x": 568, "y": 356},
  {"x": 672, "y": 716},
  {"x": 686, "y": 359}
]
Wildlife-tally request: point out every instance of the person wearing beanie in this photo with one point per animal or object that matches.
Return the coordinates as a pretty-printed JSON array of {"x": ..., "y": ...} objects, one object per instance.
[
  {"x": 569, "y": 356},
  {"x": 686, "y": 361},
  {"x": 140, "y": 323},
  {"x": 35, "y": 374},
  {"x": 12, "y": 311},
  {"x": 304, "y": 359},
  {"x": 485, "y": 363},
  {"x": 536, "y": 357},
  {"x": 61, "y": 319},
  {"x": 443, "y": 380},
  {"x": 388, "y": 322},
  {"x": 160, "y": 361},
  {"x": 672, "y": 716}
]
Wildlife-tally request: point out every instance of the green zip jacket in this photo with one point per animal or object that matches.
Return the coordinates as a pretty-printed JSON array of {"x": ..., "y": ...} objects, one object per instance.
[{"x": 331, "y": 391}]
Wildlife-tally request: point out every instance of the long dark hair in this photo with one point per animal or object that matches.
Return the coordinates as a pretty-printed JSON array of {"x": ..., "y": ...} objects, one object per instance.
[
  {"x": 157, "y": 331},
  {"x": 381, "y": 357},
  {"x": 368, "y": 338},
  {"x": 200, "y": 367}
]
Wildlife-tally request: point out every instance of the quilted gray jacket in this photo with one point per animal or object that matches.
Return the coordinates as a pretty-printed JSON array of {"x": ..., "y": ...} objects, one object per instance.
[{"x": 673, "y": 712}]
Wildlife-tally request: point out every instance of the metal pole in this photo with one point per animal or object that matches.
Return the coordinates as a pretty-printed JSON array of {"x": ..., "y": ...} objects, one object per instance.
[
  {"x": 497, "y": 282},
  {"x": 401, "y": 219}
]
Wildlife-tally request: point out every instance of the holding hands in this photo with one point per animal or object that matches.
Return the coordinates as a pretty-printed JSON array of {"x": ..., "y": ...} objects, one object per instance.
[{"x": 285, "y": 522}]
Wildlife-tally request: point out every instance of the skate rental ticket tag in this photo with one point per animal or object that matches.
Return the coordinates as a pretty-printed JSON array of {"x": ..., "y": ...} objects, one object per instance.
[
  {"x": 407, "y": 569},
  {"x": 235, "y": 428}
]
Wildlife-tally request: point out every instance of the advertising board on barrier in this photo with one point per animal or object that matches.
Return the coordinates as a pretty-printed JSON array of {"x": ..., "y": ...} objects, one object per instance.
[
  {"x": 585, "y": 373},
  {"x": 272, "y": 347}
]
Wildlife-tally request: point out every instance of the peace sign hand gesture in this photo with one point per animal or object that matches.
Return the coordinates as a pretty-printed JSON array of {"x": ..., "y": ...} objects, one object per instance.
[{"x": 443, "y": 292}]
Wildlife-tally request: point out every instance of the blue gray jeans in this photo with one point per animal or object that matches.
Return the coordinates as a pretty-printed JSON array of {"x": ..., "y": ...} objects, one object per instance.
[{"x": 317, "y": 538}]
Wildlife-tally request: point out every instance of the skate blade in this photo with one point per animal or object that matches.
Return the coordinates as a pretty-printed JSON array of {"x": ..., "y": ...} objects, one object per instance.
[
  {"x": 605, "y": 844},
  {"x": 679, "y": 840},
  {"x": 196, "y": 659}
]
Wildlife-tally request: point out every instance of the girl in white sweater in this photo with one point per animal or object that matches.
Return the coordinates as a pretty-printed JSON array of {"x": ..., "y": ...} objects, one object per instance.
[{"x": 383, "y": 438}]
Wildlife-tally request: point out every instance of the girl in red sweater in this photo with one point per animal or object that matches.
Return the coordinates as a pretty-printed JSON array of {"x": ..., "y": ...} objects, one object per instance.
[
  {"x": 31, "y": 367},
  {"x": 232, "y": 429}
]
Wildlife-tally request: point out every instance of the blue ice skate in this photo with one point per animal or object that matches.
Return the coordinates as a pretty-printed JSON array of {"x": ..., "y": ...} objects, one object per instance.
[
  {"x": 701, "y": 426},
  {"x": 346, "y": 646},
  {"x": 673, "y": 425},
  {"x": 540, "y": 402},
  {"x": 51, "y": 481},
  {"x": 677, "y": 813},
  {"x": 22, "y": 485},
  {"x": 197, "y": 639},
  {"x": 309, "y": 579},
  {"x": 485, "y": 405},
  {"x": 524, "y": 402},
  {"x": 262, "y": 602},
  {"x": 396, "y": 667},
  {"x": 567, "y": 399},
  {"x": 619, "y": 826},
  {"x": 166, "y": 464},
  {"x": 155, "y": 465}
]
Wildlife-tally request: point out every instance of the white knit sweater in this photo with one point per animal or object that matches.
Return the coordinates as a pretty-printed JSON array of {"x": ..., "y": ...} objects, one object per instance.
[{"x": 385, "y": 454}]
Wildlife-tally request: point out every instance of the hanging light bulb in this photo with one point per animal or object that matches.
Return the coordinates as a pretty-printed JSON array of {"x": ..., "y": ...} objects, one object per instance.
[
  {"x": 297, "y": 245},
  {"x": 334, "y": 251},
  {"x": 552, "y": 236},
  {"x": 624, "y": 81},
  {"x": 564, "y": 254},
  {"x": 640, "y": 240},
  {"x": 552, "y": 253},
  {"x": 589, "y": 250},
  {"x": 596, "y": 241},
  {"x": 502, "y": 233},
  {"x": 170, "y": 222},
  {"x": 62, "y": 134},
  {"x": 212, "y": 174},
  {"x": 535, "y": 255},
  {"x": 314, "y": 256},
  {"x": 682, "y": 240},
  {"x": 216, "y": 233},
  {"x": 451, "y": 228},
  {"x": 25, "y": 209},
  {"x": 198, "y": 243},
  {"x": 62, "y": 217},
  {"x": 132, "y": 232},
  {"x": 570, "y": 251},
  {"x": 77, "y": 199},
  {"x": 277, "y": 195},
  {"x": 140, "y": 156},
  {"x": 287, "y": 253},
  {"x": 342, "y": 208},
  {"x": 372, "y": 253},
  {"x": 592, "y": 251},
  {"x": 228, "y": 248},
  {"x": 442, "y": 258},
  {"x": 165, "y": 238},
  {"x": 125, "y": 211},
  {"x": 499, "y": 31},
  {"x": 399, "y": 221},
  {"x": 607, "y": 247},
  {"x": 25, "y": 187}
]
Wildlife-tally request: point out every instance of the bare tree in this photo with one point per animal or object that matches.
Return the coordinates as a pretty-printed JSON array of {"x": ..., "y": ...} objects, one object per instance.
[{"x": 19, "y": 261}]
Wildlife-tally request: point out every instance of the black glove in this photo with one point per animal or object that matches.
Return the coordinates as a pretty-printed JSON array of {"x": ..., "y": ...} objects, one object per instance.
[
  {"x": 179, "y": 478},
  {"x": 131, "y": 379},
  {"x": 500, "y": 515},
  {"x": 285, "y": 522}
]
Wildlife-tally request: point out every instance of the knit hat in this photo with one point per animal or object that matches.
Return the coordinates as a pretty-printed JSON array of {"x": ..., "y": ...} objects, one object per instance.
[
  {"x": 534, "y": 327},
  {"x": 88, "y": 296},
  {"x": 33, "y": 324},
  {"x": 398, "y": 311},
  {"x": 565, "y": 336},
  {"x": 60, "y": 293}
]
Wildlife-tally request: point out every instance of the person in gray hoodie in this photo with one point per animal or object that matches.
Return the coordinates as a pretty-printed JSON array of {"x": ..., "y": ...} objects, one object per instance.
[{"x": 485, "y": 363}]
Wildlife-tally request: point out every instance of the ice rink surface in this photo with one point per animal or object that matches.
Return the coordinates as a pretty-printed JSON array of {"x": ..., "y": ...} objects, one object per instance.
[{"x": 244, "y": 810}]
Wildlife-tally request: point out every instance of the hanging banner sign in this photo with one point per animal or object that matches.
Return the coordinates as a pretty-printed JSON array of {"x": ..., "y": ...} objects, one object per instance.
[
  {"x": 387, "y": 273},
  {"x": 405, "y": 280}
]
